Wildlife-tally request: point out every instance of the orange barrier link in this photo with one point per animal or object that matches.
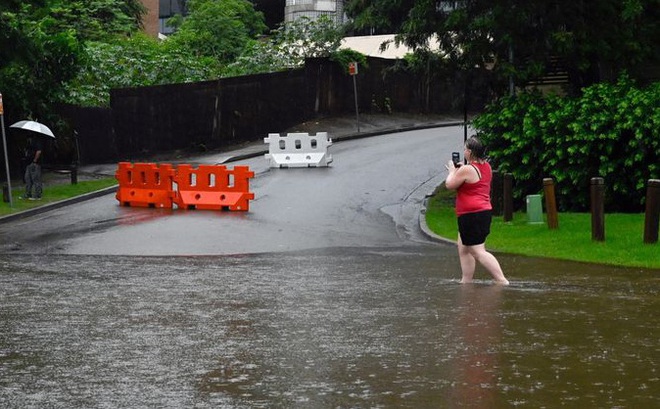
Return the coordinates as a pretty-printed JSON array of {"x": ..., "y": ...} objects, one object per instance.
[
  {"x": 213, "y": 187},
  {"x": 145, "y": 185}
]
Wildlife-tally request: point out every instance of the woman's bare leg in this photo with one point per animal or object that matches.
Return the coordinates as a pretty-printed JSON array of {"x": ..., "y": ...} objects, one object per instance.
[
  {"x": 489, "y": 262},
  {"x": 468, "y": 263}
]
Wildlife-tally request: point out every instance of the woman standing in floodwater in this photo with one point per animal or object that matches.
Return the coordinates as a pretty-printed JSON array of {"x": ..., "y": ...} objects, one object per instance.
[{"x": 474, "y": 210}]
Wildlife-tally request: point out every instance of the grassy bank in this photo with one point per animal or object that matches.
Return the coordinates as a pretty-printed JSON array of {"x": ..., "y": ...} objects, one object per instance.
[
  {"x": 54, "y": 193},
  {"x": 623, "y": 243}
]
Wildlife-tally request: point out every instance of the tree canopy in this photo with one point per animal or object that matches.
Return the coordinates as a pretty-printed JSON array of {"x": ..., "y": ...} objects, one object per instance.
[
  {"x": 96, "y": 19},
  {"x": 220, "y": 29},
  {"x": 41, "y": 43},
  {"x": 133, "y": 61},
  {"x": 288, "y": 46},
  {"x": 210, "y": 38},
  {"x": 592, "y": 40},
  {"x": 75, "y": 51}
]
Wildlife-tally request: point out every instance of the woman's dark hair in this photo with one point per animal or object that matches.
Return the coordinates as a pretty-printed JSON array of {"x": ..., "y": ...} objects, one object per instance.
[{"x": 477, "y": 148}]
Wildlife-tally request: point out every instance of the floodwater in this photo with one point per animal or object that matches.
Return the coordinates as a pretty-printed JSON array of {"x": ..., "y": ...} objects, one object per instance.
[{"x": 331, "y": 328}]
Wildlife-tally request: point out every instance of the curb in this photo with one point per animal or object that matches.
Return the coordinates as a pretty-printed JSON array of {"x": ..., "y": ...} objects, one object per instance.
[
  {"x": 427, "y": 231},
  {"x": 77, "y": 199}
]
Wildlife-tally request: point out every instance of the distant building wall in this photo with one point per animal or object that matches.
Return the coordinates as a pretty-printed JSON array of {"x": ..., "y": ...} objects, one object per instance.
[
  {"x": 295, "y": 9},
  {"x": 150, "y": 20}
]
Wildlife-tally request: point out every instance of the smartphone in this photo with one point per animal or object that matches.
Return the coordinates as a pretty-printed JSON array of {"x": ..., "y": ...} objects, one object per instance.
[{"x": 456, "y": 158}]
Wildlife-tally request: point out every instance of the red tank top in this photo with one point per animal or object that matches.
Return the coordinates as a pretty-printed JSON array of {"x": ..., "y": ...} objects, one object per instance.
[{"x": 475, "y": 197}]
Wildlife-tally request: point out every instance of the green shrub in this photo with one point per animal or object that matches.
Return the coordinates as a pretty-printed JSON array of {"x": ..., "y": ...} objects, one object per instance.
[
  {"x": 610, "y": 131},
  {"x": 345, "y": 56}
]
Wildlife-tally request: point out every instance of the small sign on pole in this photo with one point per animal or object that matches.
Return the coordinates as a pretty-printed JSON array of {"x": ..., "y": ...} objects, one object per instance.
[{"x": 353, "y": 68}]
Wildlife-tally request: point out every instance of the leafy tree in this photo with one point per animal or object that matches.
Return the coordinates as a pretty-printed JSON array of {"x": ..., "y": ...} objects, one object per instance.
[
  {"x": 211, "y": 36},
  {"x": 35, "y": 59},
  {"x": 219, "y": 28},
  {"x": 307, "y": 38},
  {"x": 288, "y": 46},
  {"x": 96, "y": 19},
  {"x": 594, "y": 40},
  {"x": 131, "y": 62},
  {"x": 41, "y": 43}
]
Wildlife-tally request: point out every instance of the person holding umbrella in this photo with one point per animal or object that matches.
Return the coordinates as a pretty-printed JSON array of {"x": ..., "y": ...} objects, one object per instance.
[{"x": 33, "y": 155}]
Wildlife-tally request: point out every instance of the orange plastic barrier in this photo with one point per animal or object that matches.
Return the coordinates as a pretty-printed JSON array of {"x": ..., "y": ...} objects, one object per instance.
[
  {"x": 145, "y": 185},
  {"x": 213, "y": 187}
]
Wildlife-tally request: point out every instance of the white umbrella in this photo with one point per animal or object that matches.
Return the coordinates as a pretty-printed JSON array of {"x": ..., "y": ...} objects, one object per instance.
[{"x": 33, "y": 126}]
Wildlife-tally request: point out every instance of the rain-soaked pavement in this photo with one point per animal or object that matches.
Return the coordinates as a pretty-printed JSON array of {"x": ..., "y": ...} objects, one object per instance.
[
  {"x": 350, "y": 307},
  {"x": 334, "y": 328}
]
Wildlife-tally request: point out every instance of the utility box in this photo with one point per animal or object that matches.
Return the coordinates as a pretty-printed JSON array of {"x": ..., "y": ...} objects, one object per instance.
[{"x": 534, "y": 209}]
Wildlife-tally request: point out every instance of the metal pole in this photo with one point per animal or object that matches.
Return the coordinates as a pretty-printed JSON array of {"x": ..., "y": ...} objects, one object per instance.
[
  {"x": 357, "y": 114},
  {"x": 4, "y": 145}
]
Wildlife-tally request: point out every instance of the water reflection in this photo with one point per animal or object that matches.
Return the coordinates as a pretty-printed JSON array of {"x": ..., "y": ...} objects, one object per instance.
[{"x": 478, "y": 325}]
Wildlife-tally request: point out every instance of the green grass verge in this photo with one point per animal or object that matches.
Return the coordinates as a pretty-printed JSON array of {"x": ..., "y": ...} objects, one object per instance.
[
  {"x": 623, "y": 245},
  {"x": 54, "y": 193}
]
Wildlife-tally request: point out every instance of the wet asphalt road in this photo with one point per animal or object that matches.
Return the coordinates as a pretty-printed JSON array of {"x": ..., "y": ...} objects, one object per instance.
[
  {"x": 370, "y": 196},
  {"x": 324, "y": 295}
]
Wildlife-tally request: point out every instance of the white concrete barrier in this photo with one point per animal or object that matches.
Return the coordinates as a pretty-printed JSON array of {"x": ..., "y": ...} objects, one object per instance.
[{"x": 298, "y": 150}]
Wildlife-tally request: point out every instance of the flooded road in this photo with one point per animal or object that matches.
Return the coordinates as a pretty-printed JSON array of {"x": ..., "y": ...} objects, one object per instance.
[
  {"x": 331, "y": 328},
  {"x": 325, "y": 295}
]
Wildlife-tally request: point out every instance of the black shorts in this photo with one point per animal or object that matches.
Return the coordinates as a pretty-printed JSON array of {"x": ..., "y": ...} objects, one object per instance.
[{"x": 474, "y": 227}]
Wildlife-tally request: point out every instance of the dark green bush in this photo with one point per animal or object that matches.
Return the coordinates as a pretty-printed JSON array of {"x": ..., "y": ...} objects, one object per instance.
[{"x": 610, "y": 131}]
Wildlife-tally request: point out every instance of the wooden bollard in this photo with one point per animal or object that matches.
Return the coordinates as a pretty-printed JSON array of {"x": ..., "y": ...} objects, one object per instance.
[
  {"x": 507, "y": 197},
  {"x": 652, "y": 216},
  {"x": 550, "y": 203},
  {"x": 598, "y": 209}
]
